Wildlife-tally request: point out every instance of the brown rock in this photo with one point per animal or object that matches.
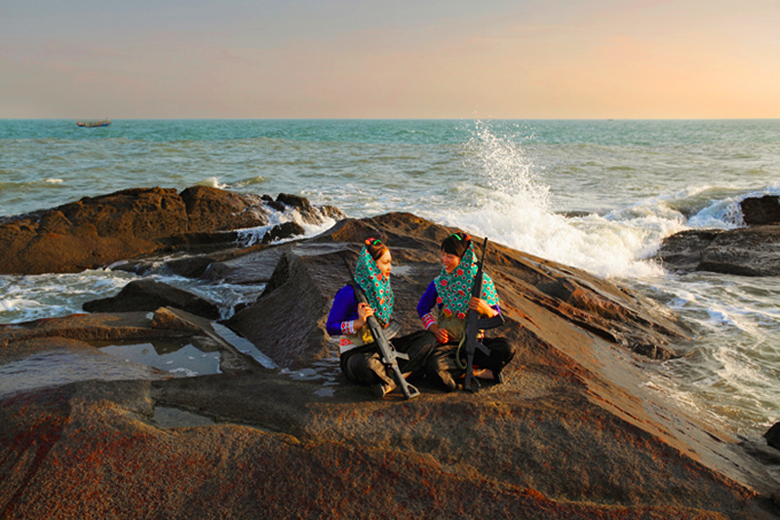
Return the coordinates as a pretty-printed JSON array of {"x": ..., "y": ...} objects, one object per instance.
[
  {"x": 757, "y": 211},
  {"x": 211, "y": 209},
  {"x": 98, "y": 231},
  {"x": 282, "y": 231},
  {"x": 308, "y": 212},
  {"x": 750, "y": 251}
]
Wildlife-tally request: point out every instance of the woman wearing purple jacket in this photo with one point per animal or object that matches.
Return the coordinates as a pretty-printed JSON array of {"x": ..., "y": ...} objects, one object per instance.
[{"x": 359, "y": 356}]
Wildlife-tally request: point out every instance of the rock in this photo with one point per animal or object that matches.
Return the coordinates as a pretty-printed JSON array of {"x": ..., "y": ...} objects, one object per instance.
[
  {"x": 282, "y": 323},
  {"x": 211, "y": 209},
  {"x": 772, "y": 436},
  {"x": 747, "y": 251},
  {"x": 149, "y": 295},
  {"x": 750, "y": 251},
  {"x": 98, "y": 231},
  {"x": 281, "y": 231},
  {"x": 309, "y": 213},
  {"x": 574, "y": 432},
  {"x": 758, "y": 211}
]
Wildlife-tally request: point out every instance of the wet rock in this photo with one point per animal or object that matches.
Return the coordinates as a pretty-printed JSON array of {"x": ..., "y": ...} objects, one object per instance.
[
  {"x": 758, "y": 211},
  {"x": 149, "y": 295},
  {"x": 772, "y": 436},
  {"x": 308, "y": 212},
  {"x": 282, "y": 231},
  {"x": 750, "y": 251}
]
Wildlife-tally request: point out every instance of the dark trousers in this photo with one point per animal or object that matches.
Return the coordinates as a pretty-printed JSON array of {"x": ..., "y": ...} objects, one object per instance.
[
  {"x": 442, "y": 363},
  {"x": 363, "y": 365}
]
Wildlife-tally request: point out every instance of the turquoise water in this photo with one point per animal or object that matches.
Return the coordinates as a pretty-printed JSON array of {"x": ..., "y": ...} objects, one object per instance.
[{"x": 597, "y": 194}]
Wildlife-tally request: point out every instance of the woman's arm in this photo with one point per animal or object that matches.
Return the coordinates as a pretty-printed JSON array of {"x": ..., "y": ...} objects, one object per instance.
[
  {"x": 485, "y": 309},
  {"x": 424, "y": 310},
  {"x": 343, "y": 312},
  {"x": 426, "y": 304}
]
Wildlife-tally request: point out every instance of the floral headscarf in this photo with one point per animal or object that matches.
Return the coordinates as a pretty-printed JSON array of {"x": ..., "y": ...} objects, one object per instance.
[
  {"x": 454, "y": 289},
  {"x": 375, "y": 285}
]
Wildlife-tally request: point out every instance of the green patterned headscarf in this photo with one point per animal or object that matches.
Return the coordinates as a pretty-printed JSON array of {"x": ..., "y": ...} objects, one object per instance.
[
  {"x": 454, "y": 289},
  {"x": 375, "y": 285}
]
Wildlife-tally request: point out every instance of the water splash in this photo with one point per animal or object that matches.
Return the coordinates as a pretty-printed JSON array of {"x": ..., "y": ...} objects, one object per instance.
[{"x": 514, "y": 209}]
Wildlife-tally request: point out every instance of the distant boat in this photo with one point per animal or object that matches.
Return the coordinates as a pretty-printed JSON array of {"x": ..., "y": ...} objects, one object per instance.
[{"x": 94, "y": 124}]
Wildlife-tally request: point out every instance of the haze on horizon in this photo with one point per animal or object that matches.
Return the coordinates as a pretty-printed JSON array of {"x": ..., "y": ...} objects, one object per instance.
[{"x": 525, "y": 59}]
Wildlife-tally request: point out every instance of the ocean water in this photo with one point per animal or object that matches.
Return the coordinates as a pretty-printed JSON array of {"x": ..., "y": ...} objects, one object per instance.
[{"x": 596, "y": 194}]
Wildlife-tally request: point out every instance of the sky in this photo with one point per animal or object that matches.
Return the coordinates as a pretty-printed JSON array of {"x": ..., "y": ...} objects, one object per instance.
[{"x": 518, "y": 59}]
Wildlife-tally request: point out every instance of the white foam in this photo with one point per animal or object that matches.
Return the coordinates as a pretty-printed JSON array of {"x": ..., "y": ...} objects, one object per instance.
[
  {"x": 213, "y": 182},
  {"x": 513, "y": 209}
]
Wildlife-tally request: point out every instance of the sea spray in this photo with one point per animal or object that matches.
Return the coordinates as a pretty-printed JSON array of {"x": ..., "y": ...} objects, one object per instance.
[{"x": 514, "y": 209}]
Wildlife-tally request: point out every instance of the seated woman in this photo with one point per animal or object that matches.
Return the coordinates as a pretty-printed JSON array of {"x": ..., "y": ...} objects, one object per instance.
[
  {"x": 450, "y": 294},
  {"x": 360, "y": 359}
]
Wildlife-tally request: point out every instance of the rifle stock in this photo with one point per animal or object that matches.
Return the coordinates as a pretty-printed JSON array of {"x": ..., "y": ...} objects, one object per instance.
[{"x": 389, "y": 355}]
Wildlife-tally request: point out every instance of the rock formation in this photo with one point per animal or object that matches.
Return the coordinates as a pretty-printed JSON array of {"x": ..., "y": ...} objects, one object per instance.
[
  {"x": 748, "y": 251},
  {"x": 97, "y": 231},
  {"x": 573, "y": 433}
]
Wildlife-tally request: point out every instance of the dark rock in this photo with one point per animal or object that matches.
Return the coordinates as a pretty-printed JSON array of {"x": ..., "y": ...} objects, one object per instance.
[
  {"x": 190, "y": 267},
  {"x": 149, "y": 295},
  {"x": 750, "y": 251},
  {"x": 295, "y": 201},
  {"x": 772, "y": 436},
  {"x": 281, "y": 231},
  {"x": 309, "y": 213},
  {"x": 758, "y": 211},
  {"x": 293, "y": 303}
]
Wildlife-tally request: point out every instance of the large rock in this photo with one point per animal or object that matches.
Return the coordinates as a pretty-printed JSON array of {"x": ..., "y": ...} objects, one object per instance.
[
  {"x": 283, "y": 321},
  {"x": 573, "y": 433},
  {"x": 750, "y": 251},
  {"x": 97, "y": 231},
  {"x": 747, "y": 251},
  {"x": 149, "y": 295}
]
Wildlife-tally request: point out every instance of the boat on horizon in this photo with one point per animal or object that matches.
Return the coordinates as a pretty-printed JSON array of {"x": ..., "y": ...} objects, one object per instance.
[{"x": 94, "y": 124}]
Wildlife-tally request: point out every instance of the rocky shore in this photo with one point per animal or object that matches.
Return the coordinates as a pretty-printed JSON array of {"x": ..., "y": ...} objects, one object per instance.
[{"x": 275, "y": 431}]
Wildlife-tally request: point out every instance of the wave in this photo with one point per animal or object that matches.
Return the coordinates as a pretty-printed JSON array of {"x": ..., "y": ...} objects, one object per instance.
[
  {"x": 509, "y": 202},
  {"x": 514, "y": 209}
]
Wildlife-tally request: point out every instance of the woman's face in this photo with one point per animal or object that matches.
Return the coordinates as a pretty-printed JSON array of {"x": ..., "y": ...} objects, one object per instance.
[
  {"x": 385, "y": 264},
  {"x": 449, "y": 261}
]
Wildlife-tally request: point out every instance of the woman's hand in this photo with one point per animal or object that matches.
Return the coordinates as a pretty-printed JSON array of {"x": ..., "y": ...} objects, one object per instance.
[
  {"x": 482, "y": 307},
  {"x": 364, "y": 310},
  {"x": 441, "y": 334}
]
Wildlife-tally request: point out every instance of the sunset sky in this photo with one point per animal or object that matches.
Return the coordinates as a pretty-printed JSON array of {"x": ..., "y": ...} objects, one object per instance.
[{"x": 526, "y": 59}]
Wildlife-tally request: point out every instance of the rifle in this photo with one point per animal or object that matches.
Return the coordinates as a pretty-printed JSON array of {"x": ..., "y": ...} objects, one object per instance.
[
  {"x": 473, "y": 325},
  {"x": 390, "y": 355}
]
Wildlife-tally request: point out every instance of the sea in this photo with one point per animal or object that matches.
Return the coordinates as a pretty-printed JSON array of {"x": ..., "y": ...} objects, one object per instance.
[{"x": 600, "y": 195}]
